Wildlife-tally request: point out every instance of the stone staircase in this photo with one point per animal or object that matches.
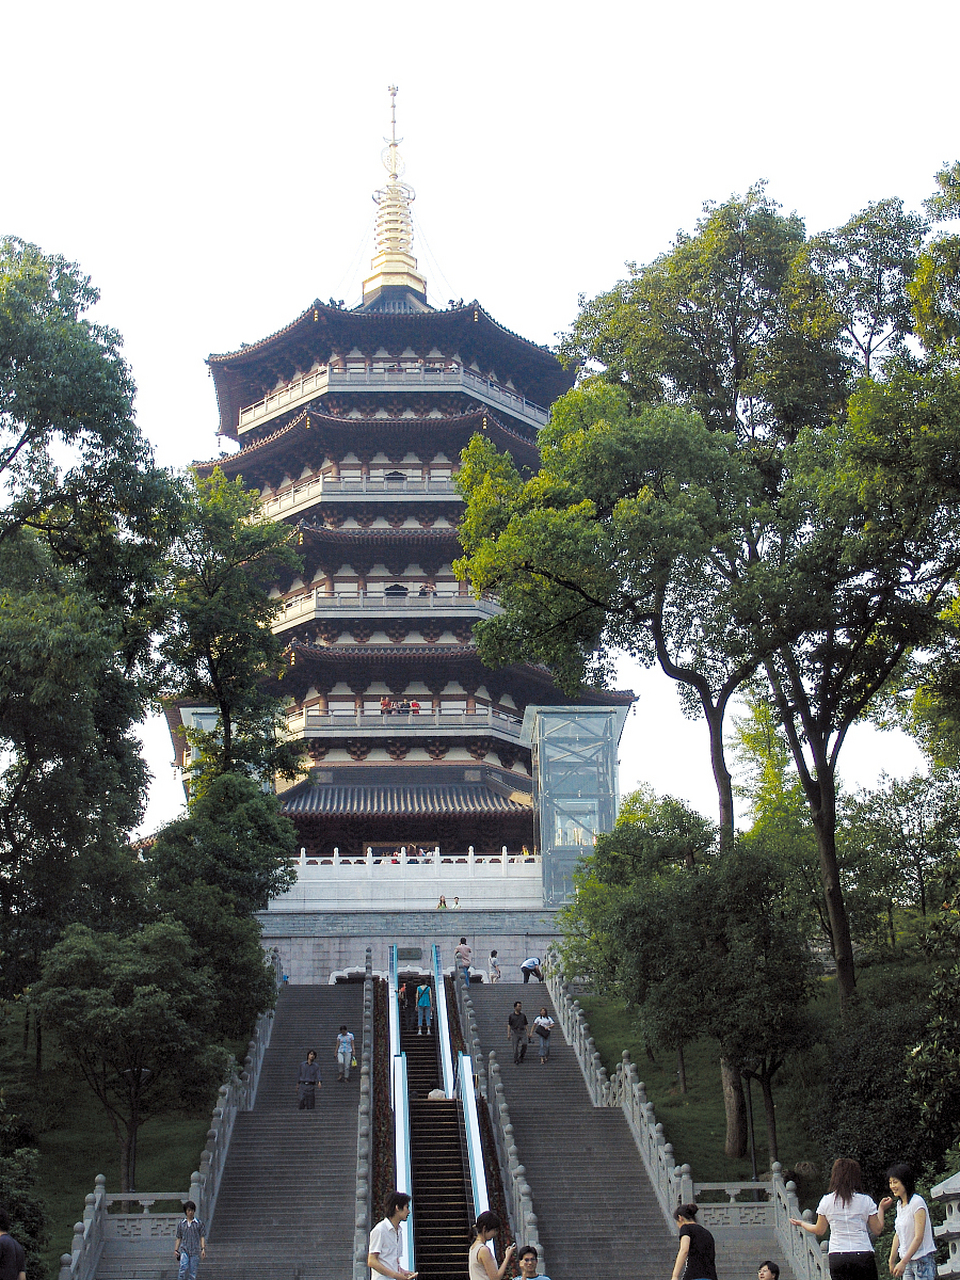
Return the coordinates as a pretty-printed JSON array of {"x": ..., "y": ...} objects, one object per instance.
[
  {"x": 596, "y": 1210},
  {"x": 286, "y": 1205}
]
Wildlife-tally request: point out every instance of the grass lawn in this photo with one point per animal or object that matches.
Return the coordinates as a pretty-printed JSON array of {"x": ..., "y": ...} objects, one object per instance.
[{"x": 694, "y": 1122}]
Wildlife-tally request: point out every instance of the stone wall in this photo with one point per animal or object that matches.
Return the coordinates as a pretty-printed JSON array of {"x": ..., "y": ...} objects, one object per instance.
[{"x": 315, "y": 945}]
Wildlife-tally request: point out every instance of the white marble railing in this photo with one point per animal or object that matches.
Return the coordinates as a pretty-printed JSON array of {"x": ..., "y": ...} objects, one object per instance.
[
  {"x": 307, "y": 493},
  {"x": 439, "y": 601},
  {"x": 394, "y": 377},
  {"x": 408, "y": 866},
  {"x": 724, "y": 1206},
  {"x": 313, "y": 721}
]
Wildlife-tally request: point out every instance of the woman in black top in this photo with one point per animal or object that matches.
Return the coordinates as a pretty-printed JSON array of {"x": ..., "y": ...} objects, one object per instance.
[{"x": 696, "y": 1256}]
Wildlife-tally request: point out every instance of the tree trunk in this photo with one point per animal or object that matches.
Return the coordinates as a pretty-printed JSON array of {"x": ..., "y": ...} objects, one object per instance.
[
  {"x": 721, "y": 775},
  {"x": 681, "y": 1069},
  {"x": 770, "y": 1112},
  {"x": 38, "y": 1044},
  {"x": 823, "y": 810},
  {"x": 735, "y": 1107}
]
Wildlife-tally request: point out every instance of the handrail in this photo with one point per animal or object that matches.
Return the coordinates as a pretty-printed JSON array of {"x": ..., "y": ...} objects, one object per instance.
[
  {"x": 443, "y": 1023},
  {"x": 519, "y": 1198},
  {"x": 471, "y": 1124},
  {"x": 393, "y": 1013},
  {"x": 401, "y": 722},
  {"x": 401, "y": 1129}
]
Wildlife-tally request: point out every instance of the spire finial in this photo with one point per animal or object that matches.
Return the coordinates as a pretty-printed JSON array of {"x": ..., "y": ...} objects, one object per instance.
[{"x": 394, "y": 263}]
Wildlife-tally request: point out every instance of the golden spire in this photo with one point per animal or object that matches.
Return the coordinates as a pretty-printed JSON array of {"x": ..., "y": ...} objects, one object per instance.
[{"x": 393, "y": 263}]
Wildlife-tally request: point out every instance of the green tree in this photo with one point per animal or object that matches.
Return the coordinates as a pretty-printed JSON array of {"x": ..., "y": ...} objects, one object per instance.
[
  {"x": 808, "y": 532},
  {"x": 234, "y": 839},
  {"x": 84, "y": 521},
  {"x": 72, "y": 781},
  {"x": 699, "y": 946},
  {"x": 134, "y": 1015},
  {"x": 218, "y": 647},
  {"x": 910, "y": 827}
]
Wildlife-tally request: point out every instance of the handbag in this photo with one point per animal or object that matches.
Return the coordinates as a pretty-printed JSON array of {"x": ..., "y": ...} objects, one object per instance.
[{"x": 353, "y": 1061}]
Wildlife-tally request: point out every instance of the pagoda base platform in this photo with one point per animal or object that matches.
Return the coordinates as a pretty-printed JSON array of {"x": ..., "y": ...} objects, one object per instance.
[{"x": 322, "y": 946}]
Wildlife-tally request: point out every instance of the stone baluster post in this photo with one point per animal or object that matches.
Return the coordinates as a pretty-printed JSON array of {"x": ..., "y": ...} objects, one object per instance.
[{"x": 947, "y": 1193}]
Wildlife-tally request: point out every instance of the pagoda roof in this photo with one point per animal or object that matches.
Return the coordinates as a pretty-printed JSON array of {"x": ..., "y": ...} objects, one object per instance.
[
  {"x": 398, "y": 799},
  {"x": 374, "y": 538},
  {"x": 311, "y": 424},
  {"x": 242, "y": 377},
  {"x": 430, "y": 656}
]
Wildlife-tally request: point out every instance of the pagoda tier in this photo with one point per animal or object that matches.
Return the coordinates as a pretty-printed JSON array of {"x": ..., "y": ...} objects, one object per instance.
[
  {"x": 370, "y": 341},
  {"x": 320, "y": 441}
]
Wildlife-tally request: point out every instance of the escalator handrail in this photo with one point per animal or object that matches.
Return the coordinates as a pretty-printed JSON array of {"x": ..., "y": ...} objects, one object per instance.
[
  {"x": 401, "y": 1125},
  {"x": 443, "y": 1024},
  {"x": 471, "y": 1124},
  {"x": 393, "y": 1012}
]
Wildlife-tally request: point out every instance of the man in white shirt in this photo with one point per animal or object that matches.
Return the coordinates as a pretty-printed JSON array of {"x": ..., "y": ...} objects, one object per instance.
[{"x": 385, "y": 1239}]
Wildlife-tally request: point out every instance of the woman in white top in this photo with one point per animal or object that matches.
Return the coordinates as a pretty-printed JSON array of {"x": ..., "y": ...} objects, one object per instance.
[
  {"x": 543, "y": 1024},
  {"x": 850, "y": 1217},
  {"x": 913, "y": 1253}
]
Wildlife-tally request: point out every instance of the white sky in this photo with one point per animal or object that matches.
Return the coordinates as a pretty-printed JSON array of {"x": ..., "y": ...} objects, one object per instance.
[{"x": 210, "y": 165}]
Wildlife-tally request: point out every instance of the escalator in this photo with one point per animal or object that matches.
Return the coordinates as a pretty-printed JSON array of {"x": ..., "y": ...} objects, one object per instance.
[{"x": 440, "y": 1179}]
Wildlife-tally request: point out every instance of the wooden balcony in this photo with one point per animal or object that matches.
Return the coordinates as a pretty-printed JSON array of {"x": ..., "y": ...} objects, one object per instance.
[{"x": 401, "y": 377}]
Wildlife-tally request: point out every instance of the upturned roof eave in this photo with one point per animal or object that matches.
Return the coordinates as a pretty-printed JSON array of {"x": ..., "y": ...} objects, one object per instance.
[{"x": 546, "y": 374}]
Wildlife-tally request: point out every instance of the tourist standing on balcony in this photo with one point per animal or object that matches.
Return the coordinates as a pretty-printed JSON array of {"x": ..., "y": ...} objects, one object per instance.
[
  {"x": 345, "y": 1051},
  {"x": 442, "y": 904},
  {"x": 424, "y": 1008},
  {"x": 308, "y": 1082}
]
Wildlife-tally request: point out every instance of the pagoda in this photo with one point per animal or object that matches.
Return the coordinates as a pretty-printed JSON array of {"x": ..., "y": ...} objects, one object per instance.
[{"x": 350, "y": 424}]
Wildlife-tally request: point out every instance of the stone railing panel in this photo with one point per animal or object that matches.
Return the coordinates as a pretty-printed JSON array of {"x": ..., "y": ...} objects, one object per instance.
[{"x": 516, "y": 1189}]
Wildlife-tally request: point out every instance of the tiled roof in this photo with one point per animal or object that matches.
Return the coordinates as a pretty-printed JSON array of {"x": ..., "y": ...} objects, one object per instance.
[{"x": 398, "y": 799}]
